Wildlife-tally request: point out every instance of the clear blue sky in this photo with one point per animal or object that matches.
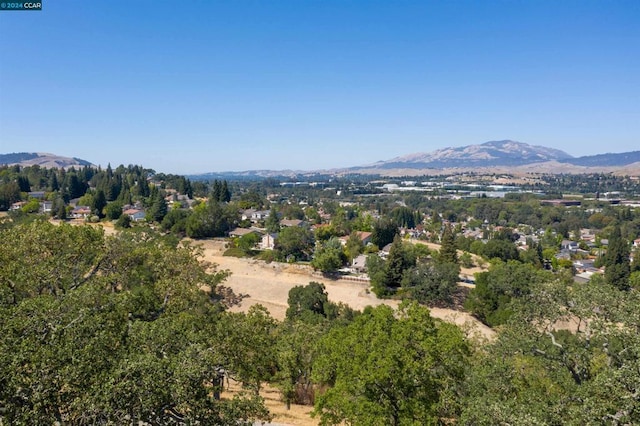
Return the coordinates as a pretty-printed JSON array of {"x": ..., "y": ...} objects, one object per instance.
[{"x": 198, "y": 86}]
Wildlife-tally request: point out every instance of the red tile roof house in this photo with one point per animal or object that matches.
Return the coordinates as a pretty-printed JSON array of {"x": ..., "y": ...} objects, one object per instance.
[
  {"x": 365, "y": 237},
  {"x": 135, "y": 215},
  {"x": 81, "y": 212}
]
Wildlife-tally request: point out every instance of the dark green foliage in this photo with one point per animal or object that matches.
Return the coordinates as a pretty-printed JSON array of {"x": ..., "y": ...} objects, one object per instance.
[
  {"x": 248, "y": 242},
  {"x": 113, "y": 210},
  {"x": 433, "y": 282},
  {"x": 386, "y": 276},
  {"x": 490, "y": 300},
  {"x": 294, "y": 243},
  {"x": 158, "y": 209},
  {"x": 9, "y": 194},
  {"x": 117, "y": 330},
  {"x": 500, "y": 249},
  {"x": 305, "y": 302},
  {"x": 391, "y": 368},
  {"x": 448, "y": 251},
  {"x": 211, "y": 220},
  {"x": 176, "y": 221},
  {"x": 220, "y": 192},
  {"x": 123, "y": 222},
  {"x": 272, "y": 223},
  {"x": 99, "y": 203},
  {"x": 383, "y": 232},
  {"x": 616, "y": 261},
  {"x": 403, "y": 217},
  {"x": 23, "y": 184},
  {"x": 329, "y": 257},
  {"x": 401, "y": 258}
]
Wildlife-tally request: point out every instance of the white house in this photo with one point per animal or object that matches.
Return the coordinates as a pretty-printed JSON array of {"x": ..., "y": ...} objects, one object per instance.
[{"x": 135, "y": 215}]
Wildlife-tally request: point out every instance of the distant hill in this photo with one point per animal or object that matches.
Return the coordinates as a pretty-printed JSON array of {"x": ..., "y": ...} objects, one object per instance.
[
  {"x": 500, "y": 155},
  {"x": 41, "y": 159},
  {"x": 605, "y": 160},
  {"x": 493, "y": 153}
]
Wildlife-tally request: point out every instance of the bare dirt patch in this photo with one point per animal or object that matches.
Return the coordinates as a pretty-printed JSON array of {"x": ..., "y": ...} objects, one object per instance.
[
  {"x": 268, "y": 284},
  {"x": 297, "y": 415}
]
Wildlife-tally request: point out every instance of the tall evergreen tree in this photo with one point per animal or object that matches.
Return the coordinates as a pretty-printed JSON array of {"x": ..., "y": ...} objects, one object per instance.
[
  {"x": 99, "y": 203},
  {"x": 158, "y": 209},
  {"x": 225, "y": 193},
  {"x": 400, "y": 259},
  {"x": 616, "y": 261},
  {"x": 448, "y": 252}
]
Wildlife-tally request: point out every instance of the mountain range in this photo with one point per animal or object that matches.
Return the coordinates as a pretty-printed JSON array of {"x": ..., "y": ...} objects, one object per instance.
[
  {"x": 41, "y": 159},
  {"x": 499, "y": 156}
]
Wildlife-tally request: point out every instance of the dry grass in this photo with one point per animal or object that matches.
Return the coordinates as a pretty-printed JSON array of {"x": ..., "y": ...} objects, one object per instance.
[{"x": 297, "y": 415}]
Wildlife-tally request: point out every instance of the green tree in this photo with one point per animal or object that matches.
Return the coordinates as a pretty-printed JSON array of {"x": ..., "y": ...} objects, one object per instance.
[
  {"x": 329, "y": 257},
  {"x": 211, "y": 220},
  {"x": 403, "y": 217},
  {"x": 448, "y": 252},
  {"x": 616, "y": 261},
  {"x": 98, "y": 204},
  {"x": 113, "y": 210},
  {"x": 248, "y": 346},
  {"x": 391, "y": 368},
  {"x": 354, "y": 246},
  {"x": 401, "y": 259},
  {"x": 158, "y": 209},
  {"x": 176, "y": 221},
  {"x": 113, "y": 330},
  {"x": 296, "y": 353},
  {"x": 272, "y": 223},
  {"x": 294, "y": 243},
  {"x": 305, "y": 302},
  {"x": 490, "y": 300},
  {"x": 384, "y": 231},
  {"x": 248, "y": 242},
  {"x": 433, "y": 282}
]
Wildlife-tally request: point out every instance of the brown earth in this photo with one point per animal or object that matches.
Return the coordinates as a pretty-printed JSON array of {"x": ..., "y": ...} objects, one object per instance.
[{"x": 269, "y": 285}]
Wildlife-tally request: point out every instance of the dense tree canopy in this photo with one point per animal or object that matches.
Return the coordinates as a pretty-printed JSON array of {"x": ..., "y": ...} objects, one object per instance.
[
  {"x": 110, "y": 330},
  {"x": 389, "y": 368}
]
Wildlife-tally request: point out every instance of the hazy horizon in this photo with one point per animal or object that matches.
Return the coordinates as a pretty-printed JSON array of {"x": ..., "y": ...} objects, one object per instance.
[{"x": 253, "y": 85}]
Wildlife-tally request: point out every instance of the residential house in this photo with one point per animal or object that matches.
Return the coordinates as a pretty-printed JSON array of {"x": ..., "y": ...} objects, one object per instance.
[
  {"x": 136, "y": 215},
  {"x": 81, "y": 212},
  {"x": 568, "y": 245},
  {"x": 365, "y": 237},
  {"x": 46, "y": 207},
  {"x": 254, "y": 215},
  {"x": 268, "y": 241},
  {"x": 359, "y": 264},
  {"x": 292, "y": 223},
  {"x": 17, "y": 206},
  {"x": 37, "y": 194},
  {"x": 384, "y": 252}
]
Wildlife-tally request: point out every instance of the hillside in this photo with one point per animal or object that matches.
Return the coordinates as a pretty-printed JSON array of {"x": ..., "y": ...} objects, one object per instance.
[{"x": 41, "y": 159}]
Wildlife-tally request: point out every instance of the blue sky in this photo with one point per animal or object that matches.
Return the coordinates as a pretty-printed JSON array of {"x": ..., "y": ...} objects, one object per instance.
[{"x": 198, "y": 86}]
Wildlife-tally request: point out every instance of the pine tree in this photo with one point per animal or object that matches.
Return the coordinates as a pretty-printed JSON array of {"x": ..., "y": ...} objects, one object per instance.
[
  {"x": 99, "y": 203},
  {"x": 225, "y": 194},
  {"x": 216, "y": 193},
  {"x": 616, "y": 261},
  {"x": 400, "y": 259},
  {"x": 158, "y": 208},
  {"x": 448, "y": 252}
]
